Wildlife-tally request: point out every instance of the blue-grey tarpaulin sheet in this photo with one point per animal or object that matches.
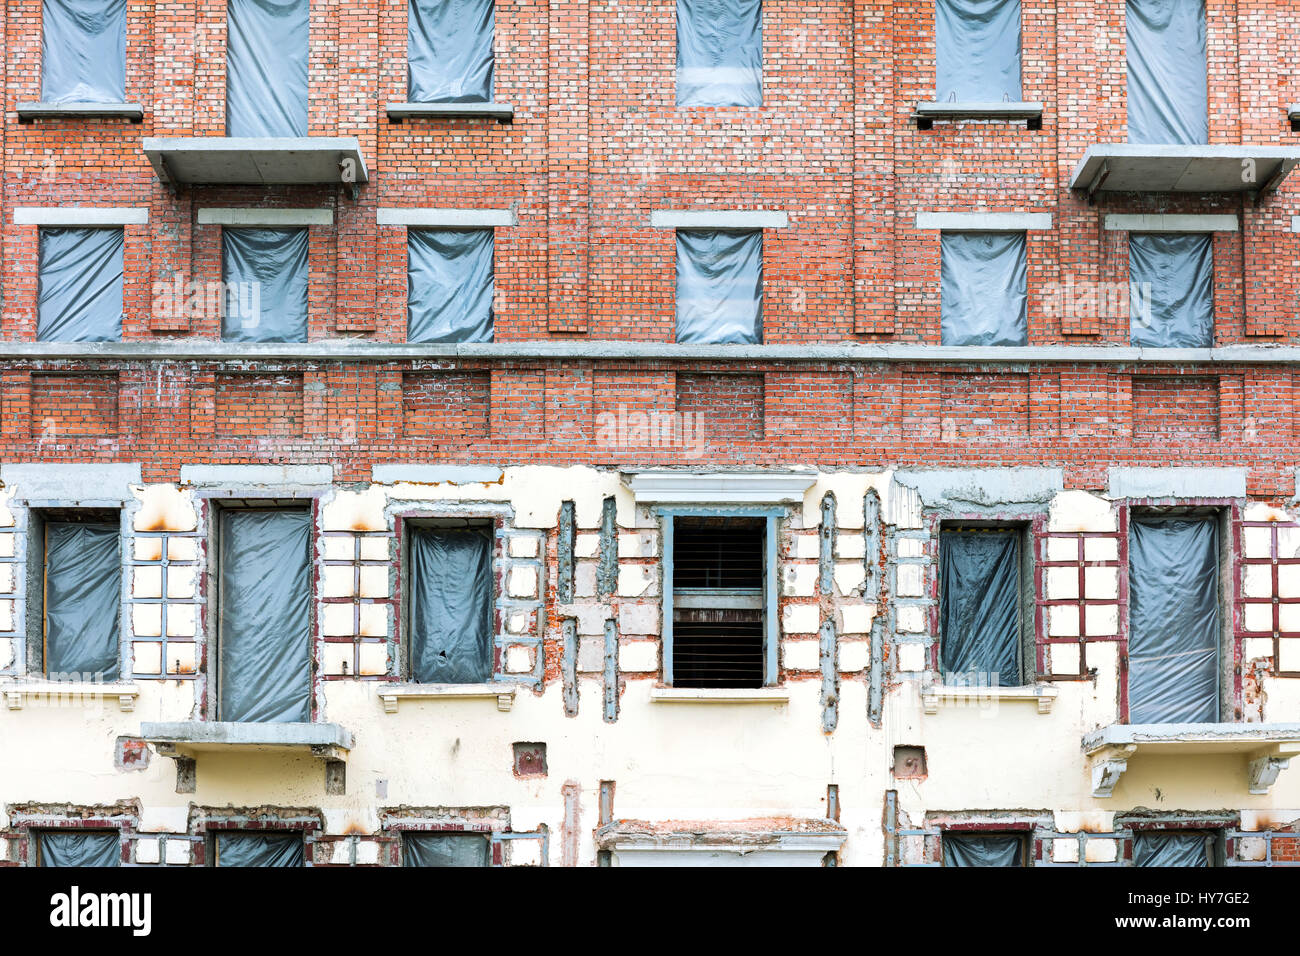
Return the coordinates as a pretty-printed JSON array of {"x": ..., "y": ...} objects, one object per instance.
[
  {"x": 83, "y": 600},
  {"x": 445, "y": 849},
  {"x": 83, "y": 51},
  {"x": 265, "y": 272},
  {"x": 259, "y": 849},
  {"x": 720, "y": 286},
  {"x": 1170, "y": 848},
  {"x": 719, "y": 53},
  {"x": 976, "y": 850},
  {"x": 1173, "y": 646},
  {"x": 80, "y": 848},
  {"x": 977, "y": 48},
  {"x": 1167, "y": 92},
  {"x": 1171, "y": 290},
  {"x": 449, "y": 285},
  {"x": 979, "y": 609},
  {"x": 266, "y": 67},
  {"x": 449, "y": 50},
  {"x": 265, "y": 640},
  {"x": 451, "y": 605},
  {"x": 80, "y": 285},
  {"x": 983, "y": 288}
]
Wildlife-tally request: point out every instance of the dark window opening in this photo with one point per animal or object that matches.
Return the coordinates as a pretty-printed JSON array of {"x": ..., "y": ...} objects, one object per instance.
[
  {"x": 451, "y": 604},
  {"x": 446, "y": 849},
  {"x": 980, "y": 625},
  {"x": 984, "y": 849},
  {"x": 248, "y": 848},
  {"x": 77, "y": 847},
  {"x": 718, "y": 602}
]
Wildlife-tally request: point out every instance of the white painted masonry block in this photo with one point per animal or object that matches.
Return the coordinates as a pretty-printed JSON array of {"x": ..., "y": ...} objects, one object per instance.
[
  {"x": 374, "y": 659},
  {"x": 857, "y": 618},
  {"x": 1099, "y": 850},
  {"x": 800, "y": 619},
  {"x": 1257, "y": 542},
  {"x": 638, "y": 619},
  {"x": 147, "y": 851},
  {"x": 799, "y": 580},
  {"x": 591, "y": 655},
  {"x": 367, "y": 852},
  {"x": 911, "y": 657},
  {"x": 1258, "y": 580},
  {"x": 854, "y": 656},
  {"x": 1288, "y": 581},
  {"x": 911, "y": 619},
  {"x": 1100, "y": 549},
  {"x": 1258, "y": 617},
  {"x": 179, "y": 852},
  {"x": 1063, "y": 620},
  {"x": 519, "y": 659},
  {"x": 336, "y": 620},
  {"x": 850, "y": 546},
  {"x": 523, "y": 546},
  {"x": 635, "y": 580},
  {"x": 591, "y": 618},
  {"x": 522, "y": 582},
  {"x": 1062, "y": 583},
  {"x": 337, "y": 580},
  {"x": 1065, "y": 851},
  {"x": 1101, "y": 620},
  {"x": 849, "y": 577},
  {"x": 1080, "y": 511},
  {"x": 807, "y": 547},
  {"x": 517, "y": 622},
  {"x": 801, "y": 655},
  {"x": 584, "y": 579},
  {"x": 638, "y": 657},
  {"x": 1101, "y": 583},
  {"x": 586, "y": 545},
  {"x": 910, "y": 580},
  {"x": 640, "y": 544},
  {"x": 1064, "y": 658},
  {"x": 911, "y": 548},
  {"x": 1254, "y": 648},
  {"x": 159, "y": 819}
]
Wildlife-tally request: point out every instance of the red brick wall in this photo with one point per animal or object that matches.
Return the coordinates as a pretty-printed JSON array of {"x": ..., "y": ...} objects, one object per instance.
[{"x": 249, "y": 406}]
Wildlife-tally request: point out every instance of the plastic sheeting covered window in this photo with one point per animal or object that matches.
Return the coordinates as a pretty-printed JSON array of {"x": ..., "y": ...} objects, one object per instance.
[
  {"x": 1172, "y": 848},
  {"x": 265, "y": 641},
  {"x": 445, "y": 849},
  {"x": 451, "y": 605},
  {"x": 78, "y": 848},
  {"x": 266, "y": 68},
  {"x": 977, "y": 48},
  {"x": 450, "y": 284},
  {"x": 265, "y": 274},
  {"x": 979, "y": 607},
  {"x": 983, "y": 850},
  {"x": 1167, "y": 92},
  {"x": 983, "y": 289},
  {"x": 83, "y": 51},
  {"x": 79, "y": 297},
  {"x": 83, "y": 599},
  {"x": 259, "y": 849},
  {"x": 719, "y": 53},
  {"x": 449, "y": 50},
  {"x": 1171, "y": 290},
  {"x": 720, "y": 287},
  {"x": 1173, "y": 621}
]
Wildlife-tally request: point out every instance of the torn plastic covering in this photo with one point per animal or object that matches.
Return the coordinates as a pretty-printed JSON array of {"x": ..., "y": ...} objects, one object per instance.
[
  {"x": 259, "y": 849},
  {"x": 266, "y": 68},
  {"x": 265, "y": 646},
  {"x": 1173, "y": 621},
  {"x": 451, "y": 605},
  {"x": 449, "y": 50},
  {"x": 977, "y": 48},
  {"x": 983, "y": 289},
  {"x": 265, "y": 271},
  {"x": 80, "y": 285},
  {"x": 449, "y": 285},
  {"x": 83, "y": 600},
  {"x": 83, "y": 51},
  {"x": 979, "y": 612},
  {"x": 1171, "y": 290},
  {"x": 719, "y": 53},
  {"x": 80, "y": 848},
  {"x": 720, "y": 286},
  {"x": 971, "y": 850},
  {"x": 445, "y": 849},
  {"x": 1170, "y": 848},
  {"x": 1167, "y": 93}
]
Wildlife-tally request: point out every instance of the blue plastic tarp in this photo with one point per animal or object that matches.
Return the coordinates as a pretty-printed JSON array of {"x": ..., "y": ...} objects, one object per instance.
[
  {"x": 719, "y": 53},
  {"x": 450, "y": 284},
  {"x": 977, "y": 49},
  {"x": 449, "y": 50},
  {"x": 266, "y": 67},
  {"x": 983, "y": 289},
  {"x": 720, "y": 286},
  {"x": 1167, "y": 91},
  {"x": 83, "y": 51},
  {"x": 79, "y": 296}
]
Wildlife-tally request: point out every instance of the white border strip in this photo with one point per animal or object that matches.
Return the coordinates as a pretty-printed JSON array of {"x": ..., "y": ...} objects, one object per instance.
[
  {"x": 1169, "y": 222},
  {"x": 718, "y": 219},
  {"x": 266, "y": 218},
  {"x": 434, "y": 218},
  {"x": 85, "y": 216},
  {"x": 984, "y": 221}
]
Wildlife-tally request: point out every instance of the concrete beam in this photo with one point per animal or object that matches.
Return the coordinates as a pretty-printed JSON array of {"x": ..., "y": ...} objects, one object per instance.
[
  {"x": 1122, "y": 222},
  {"x": 256, "y": 161},
  {"x": 85, "y": 216},
  {"x": 1175, "y": 482},
  {"x": 391, "y": 474},
  {"x": 429, "y": 218},
  {"x": 718, "y": 219},
  {"x": 205, "y": 734},
  {"x": 501, "y": 112},
  {"x": 979, "y": 110},
  {"x": 69, "y": 483},
  {"x": 984, "y": 221},
  {"x": 1140, "y": 168},
  {"x": 267, "y": 218},
  {"x": 33, "y": 111},
  {"x": 247, "y": 476},
  {"x": 993, "y": 489},
  {"x": 718, "y": 488}
]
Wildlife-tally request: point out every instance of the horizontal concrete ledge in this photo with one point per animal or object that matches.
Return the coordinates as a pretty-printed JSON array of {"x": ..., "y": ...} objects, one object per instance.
[
  {"x": 71, "y": 483},
  {"x": 202, "y": 734},
  {"x": 984, "y": 221},
  {"x": 33, "y": 111},
  {"x": 715, "y": 695},
  {"x": 718, "y": 219},
  {"x": 69, "y": 692},
  {"x": 717, "y": 487},
  {"x": 256, "y": 161},
  {"x": 1132, "y": 167},
  {"x": 501, "y": 112},
  {"x": 401, "y": 473},
  {"x": 1123, "y": 222},
  {"x": 1209, "y": 738},
  {"x": 446, "y": 218},
  {"x": 1175, "y": 482},
  {"x": 979, "y": 110},
  {"x": 267, "y": 218},
  {"x": 353, "y": 350},
  {"x": 85, "y": 216},
  {"x": 247, "y": 476},
  {"x": 390, "y": 695}
]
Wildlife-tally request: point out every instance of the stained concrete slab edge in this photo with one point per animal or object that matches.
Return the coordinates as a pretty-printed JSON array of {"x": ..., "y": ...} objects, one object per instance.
[{"x": 1175, "y": 482}]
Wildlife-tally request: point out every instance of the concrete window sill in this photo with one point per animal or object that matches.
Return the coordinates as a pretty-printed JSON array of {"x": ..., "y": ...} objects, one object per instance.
[
  {"x": 34, "y": 111},
  {"x": 390, "y": 695},
  {"x": 935, "y": 695},
  {"x": 719, "y": 695},
  {"x": 926, "y": 113},
  {"x": 190, "y": 738},
  {"x": 62, "y": 693},
  {"x": 501, "y": 112}
]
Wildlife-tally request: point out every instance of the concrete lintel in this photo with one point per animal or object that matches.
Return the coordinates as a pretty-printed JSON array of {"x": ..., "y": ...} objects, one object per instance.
[
  {"x": 1176, "y": 482},
  {"x": 718, "y": 488},
  {"x": 501, "y": 112},
  {"x": 984, "y": 221},
  {"x": 268, "y": 218},
  {"x": 965, "y": 489},
  {"x": 1170, "y": 222},
  {"x": 85, "y": 216},
  {"x": 59, "y": 481},
  {"x": 401, "y": 472},
  {"x": 718, "y": 219},
  {"x": 245, "y": 476},
  {"x": 217, "y": 734},
  {"x": 31, "y": 111},
  {"x": 429, "y": 218}
]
